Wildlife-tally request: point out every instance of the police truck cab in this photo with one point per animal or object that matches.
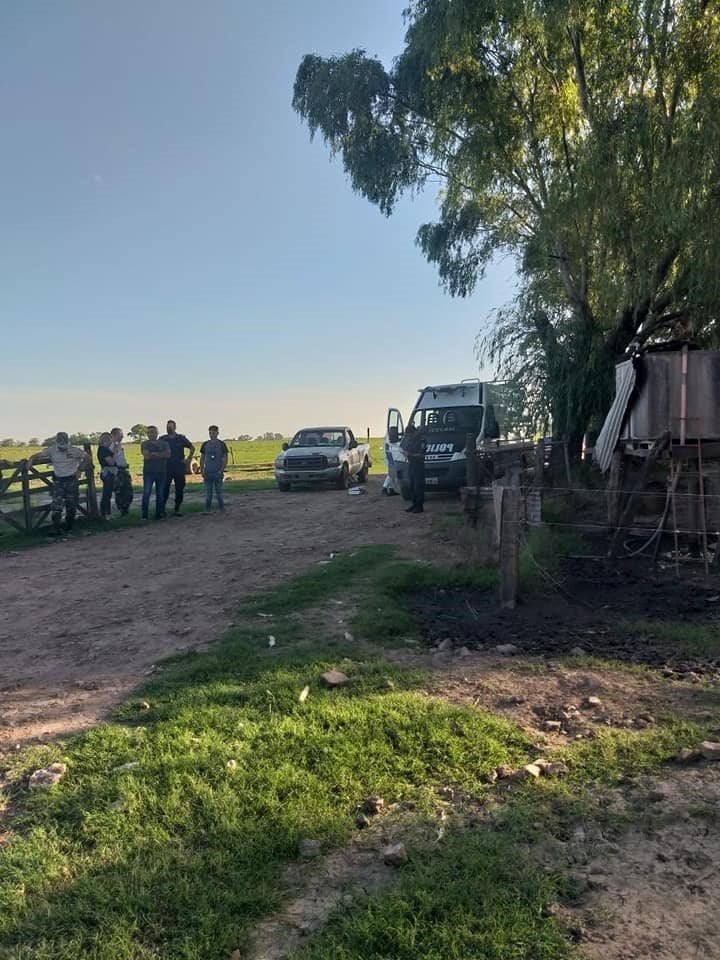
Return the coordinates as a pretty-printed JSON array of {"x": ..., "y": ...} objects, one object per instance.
[{"x": 447, "y": 413}]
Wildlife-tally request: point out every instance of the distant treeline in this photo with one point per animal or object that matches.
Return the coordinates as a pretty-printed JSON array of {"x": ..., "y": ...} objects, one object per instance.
[{"x": 137, "y": 432}]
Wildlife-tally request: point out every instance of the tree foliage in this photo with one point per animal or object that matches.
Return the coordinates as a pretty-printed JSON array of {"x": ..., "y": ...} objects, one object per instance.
[
  {"x": 138, "y": 431},
  {"x": 581, "y": 137}
]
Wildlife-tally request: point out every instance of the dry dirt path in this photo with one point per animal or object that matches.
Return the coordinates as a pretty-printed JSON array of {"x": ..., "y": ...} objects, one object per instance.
[{"x": 83, "y": 621}]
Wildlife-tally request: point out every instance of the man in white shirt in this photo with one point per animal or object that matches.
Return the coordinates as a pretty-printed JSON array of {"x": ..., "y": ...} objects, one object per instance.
[
  {"x": 68, "y": 464},
  {"x": 123, "y": 480}
]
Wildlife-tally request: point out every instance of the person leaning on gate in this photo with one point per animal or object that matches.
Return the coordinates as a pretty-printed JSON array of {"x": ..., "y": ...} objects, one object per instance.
[
  {"x": 123, "y": 481},
  {"x": 413, "y": 445},
  {"x": 213, "y": 460},
  {"x": 108, "y": 473},
  {"x": 68, "y": 463},
  {"x": 156, "y": 454},
  {"x": 178, "y": 465}
]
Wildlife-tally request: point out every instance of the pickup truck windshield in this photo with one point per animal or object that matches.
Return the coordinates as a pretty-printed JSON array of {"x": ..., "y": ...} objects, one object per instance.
[
  {"x": 319, "y": 438},
  {"x": 467, "y": 419}
]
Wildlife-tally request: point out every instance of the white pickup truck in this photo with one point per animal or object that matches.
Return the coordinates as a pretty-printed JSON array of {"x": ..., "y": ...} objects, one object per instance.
[{"x": 323, "y": 455}]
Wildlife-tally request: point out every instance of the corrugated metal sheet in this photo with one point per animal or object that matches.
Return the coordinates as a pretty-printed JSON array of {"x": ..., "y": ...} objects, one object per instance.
[{"x": 624, "y": 385}]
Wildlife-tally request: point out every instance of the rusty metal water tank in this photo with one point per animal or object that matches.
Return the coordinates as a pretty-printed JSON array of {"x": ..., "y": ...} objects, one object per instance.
[{"x": 657, "y": 399}]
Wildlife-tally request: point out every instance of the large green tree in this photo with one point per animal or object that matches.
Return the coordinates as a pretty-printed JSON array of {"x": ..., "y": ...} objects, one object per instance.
[{"x": 583, "y": 138}]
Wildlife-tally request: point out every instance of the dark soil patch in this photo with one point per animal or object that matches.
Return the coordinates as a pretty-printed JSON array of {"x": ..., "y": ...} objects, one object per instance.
[{"x": 586, "y": 611}]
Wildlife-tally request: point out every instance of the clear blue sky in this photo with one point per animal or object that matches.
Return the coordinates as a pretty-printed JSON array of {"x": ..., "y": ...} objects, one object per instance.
[{"x": 172, "y": 244}]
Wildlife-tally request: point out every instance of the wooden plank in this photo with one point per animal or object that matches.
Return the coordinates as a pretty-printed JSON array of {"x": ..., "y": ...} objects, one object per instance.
[{"x": 13, "y": 523}]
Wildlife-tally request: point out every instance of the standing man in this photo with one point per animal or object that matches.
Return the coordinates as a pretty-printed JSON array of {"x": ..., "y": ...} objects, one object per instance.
[
  {"x": 413, "y": 445},
  {"x": 156, "y": 454},
  {"x": 178, "y": 464},
  {"x": 123, "y": 481},
  {"x": 213, "y": 460},
  {"x": 68, "y": 464}
]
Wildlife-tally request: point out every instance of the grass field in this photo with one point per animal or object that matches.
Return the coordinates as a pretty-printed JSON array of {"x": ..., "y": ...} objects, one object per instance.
[{"x": 243, "y": 454}]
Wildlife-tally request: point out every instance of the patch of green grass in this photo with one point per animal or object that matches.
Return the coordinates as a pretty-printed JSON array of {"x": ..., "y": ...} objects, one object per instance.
[
  {"x": 473, "y": 897},
  {"x": 183, "y": 852},
  {"x": 385, "y": 614},
  {"x": 616, "y": 754},
  {"x": 331, "y": 574},
  {"x": 691, "y": 638}
]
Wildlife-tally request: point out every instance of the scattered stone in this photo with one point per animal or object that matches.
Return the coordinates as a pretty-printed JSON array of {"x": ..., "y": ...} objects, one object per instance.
[
  {"x": 710, "y": 750},
  {"x": 362, "y": 821},
  {"x": 504, "y": 771},
  {"x": 348, "y": 636},
  {"x": 271, "y": 641},
  {"x": 490, "y": 777},
  {"x": 133, "y": 765},
  {"x": 578, "y": 652},
  {"x": 304, "y": 694},
  {"x": 395, "y": 855},
  {"x": 463, "y": 652},
  {"x": 591, "y": 703},
  {"x": 692, "y": 677},
  {"x": 686, "y": 755},
  {"x": 309, "y": 848},
  {"x": 144, "y": 705},
  {"x": 389, "y": 684},
  {"x": 334, "y": 678},
  {"x": 647, "y": 717},
  {"x": 506, "y": 649},
  {"x": 374, "y": 805},
  {"x": 47, "y": 777},
  {"x": 232, "y": 764},
  {"x": 552, "y": 726},
  {"x": 531, "y": 771},
  {"x": 444, "y": 645},
  {"x": 118, "y": 806},
  {"x": 552, "y": 768},
  {"x": 447, "y": 793},
  {"x": 658, "y": 796}
]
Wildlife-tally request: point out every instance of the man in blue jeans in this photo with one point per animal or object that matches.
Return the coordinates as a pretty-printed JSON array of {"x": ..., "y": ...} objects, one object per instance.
[
  {"x": 156, "y": 454},
  {"x": 213, "y": 460}
]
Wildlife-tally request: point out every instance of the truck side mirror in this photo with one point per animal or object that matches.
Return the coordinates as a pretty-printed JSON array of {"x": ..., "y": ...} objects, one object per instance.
[
  {"x": 285, "y": 446},
  {"x": 393, "y": 434}
]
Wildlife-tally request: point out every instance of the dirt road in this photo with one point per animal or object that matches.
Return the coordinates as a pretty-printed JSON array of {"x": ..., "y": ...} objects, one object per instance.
[{"x": 83, "y": 621}]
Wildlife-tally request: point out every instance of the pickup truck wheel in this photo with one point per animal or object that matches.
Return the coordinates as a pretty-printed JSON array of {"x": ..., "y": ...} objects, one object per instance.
[
  {"x": 284, "y": 486},
  {"x": 363, "y": 475},
  {"x": 344, "y": 478},
  {"x": 406, "y": 493}
]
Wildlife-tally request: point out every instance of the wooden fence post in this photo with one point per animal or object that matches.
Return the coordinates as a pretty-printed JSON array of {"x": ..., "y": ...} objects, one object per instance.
[
  {"x": 509, "y": 547},
  {"x": 27, "y": 506}
]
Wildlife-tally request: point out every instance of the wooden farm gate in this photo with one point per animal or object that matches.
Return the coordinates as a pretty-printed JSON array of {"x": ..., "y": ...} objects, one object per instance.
[{"x": 25, "y": 493}]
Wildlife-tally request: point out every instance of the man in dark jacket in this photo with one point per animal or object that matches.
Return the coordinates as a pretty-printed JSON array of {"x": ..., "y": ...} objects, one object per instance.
[
  {"x": 413, "y": 445},
  {"x": 178, "y": 464}
]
